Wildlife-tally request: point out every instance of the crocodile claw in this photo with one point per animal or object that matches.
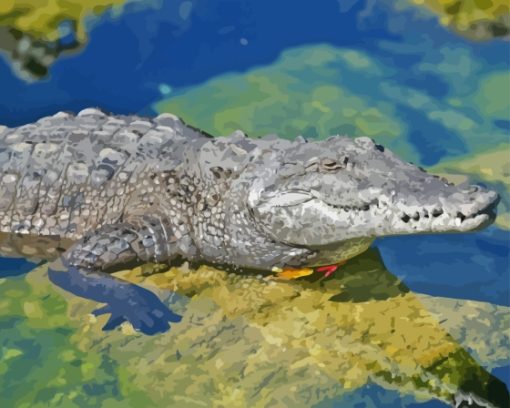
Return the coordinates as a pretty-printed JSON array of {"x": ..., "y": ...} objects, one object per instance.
[
  {"x": 102, "y": 310},
  {"x": 142, "y": 309},
  {"x": 113, "y": 322},
  {"x": 124, "y": 301}
]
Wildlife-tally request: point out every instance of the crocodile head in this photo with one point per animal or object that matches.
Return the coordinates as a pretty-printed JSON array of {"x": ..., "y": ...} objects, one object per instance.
[{"x": 326, "y": 192}]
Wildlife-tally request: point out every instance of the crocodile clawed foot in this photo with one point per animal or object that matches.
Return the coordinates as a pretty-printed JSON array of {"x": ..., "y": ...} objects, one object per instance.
[
  {"x": 124, "y": 301},
  {"x": 142, "y": 309},
  {"x": 115, "y": 319}
]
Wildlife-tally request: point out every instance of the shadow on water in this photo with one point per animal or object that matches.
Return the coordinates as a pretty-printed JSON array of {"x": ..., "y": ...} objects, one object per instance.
[{"x": 365, "y": 278}]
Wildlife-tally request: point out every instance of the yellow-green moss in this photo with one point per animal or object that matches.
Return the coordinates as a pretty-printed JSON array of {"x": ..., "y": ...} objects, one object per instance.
[
  {"x": 492, "y": 166},
  {"x": 478, "y": 19},
  {"x": 40, "y": 18}
]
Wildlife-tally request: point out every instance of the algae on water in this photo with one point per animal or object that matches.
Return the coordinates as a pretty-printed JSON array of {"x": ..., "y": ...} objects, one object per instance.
[
  {"x": 41, "y": 18},
  {"x": 475, "y": 19},
  {"x": 34, "y": 33}
]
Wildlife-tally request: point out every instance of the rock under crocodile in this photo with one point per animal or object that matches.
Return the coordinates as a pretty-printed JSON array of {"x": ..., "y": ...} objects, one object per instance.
[
  {"x": 245, "y": 341},
  {"x": 118, "y": 190}
]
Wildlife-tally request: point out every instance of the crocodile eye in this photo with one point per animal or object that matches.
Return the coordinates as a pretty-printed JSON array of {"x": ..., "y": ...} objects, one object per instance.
[{"x": 220, "y": 172}]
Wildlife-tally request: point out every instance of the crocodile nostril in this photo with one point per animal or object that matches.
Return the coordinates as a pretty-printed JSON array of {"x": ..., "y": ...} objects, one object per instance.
[{"x": 470, "y": 189}]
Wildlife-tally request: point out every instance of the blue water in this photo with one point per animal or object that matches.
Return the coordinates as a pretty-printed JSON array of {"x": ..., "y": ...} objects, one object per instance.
[
  {"x": 126, "y": 59},
  {"x": 472, "y": 266}
]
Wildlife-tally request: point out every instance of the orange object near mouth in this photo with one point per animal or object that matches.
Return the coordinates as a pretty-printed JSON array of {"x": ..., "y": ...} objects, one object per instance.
[{"x": 292, "y": 273}]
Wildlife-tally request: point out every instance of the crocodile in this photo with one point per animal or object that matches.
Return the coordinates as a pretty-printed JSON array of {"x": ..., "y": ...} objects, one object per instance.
[{"x": 117, "y": 190}]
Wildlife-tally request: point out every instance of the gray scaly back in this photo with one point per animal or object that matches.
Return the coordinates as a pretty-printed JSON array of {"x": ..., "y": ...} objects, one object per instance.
[{"x": 117, "y": 190}]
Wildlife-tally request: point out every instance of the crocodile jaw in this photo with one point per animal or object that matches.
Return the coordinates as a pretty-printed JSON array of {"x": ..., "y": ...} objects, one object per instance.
[{"x": 303, "y": 218}]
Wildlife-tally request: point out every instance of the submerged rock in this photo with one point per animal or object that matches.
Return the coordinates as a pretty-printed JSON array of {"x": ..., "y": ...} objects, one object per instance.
[
  {"x": 34, "y": 35},
  {"x": 482, "y": 328},
  {"x": 30, "y": 57},
  {"x": 246, "y": 340}
]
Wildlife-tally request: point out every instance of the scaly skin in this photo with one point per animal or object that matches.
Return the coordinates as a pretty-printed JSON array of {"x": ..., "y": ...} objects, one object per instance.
[{"x": 125, "y": 190}]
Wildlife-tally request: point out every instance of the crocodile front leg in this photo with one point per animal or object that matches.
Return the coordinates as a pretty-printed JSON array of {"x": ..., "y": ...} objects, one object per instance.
[{"x": 81, "y": 271}]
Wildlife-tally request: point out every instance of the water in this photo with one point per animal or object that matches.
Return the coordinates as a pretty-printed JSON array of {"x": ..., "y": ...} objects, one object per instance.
[{"x": 465, "y": 266}]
